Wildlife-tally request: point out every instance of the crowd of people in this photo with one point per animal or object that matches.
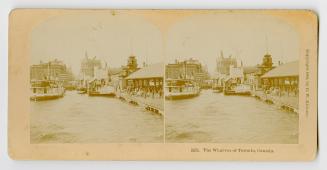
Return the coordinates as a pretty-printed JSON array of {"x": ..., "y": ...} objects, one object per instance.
[
  {"x": 285, "y": 91},
  {"x": 96, "y": 84},
  {"x": 146, "y": 92}
]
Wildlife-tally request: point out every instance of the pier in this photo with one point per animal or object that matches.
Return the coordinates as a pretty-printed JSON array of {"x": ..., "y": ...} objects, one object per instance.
[
  {"x": 144, "y": 87},
  {"x": 289, "y": 103},
  {"x": 153, "y": 105}
]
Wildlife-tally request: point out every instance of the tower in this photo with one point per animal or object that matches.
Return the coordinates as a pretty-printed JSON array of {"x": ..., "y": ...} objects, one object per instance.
[
  {"x": 132, "y": 63},
  {"x": 267, "y": 60}
]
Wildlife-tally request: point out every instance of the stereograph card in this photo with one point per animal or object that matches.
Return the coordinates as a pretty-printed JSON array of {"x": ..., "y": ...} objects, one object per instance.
[{"x": 162, "y": 84}]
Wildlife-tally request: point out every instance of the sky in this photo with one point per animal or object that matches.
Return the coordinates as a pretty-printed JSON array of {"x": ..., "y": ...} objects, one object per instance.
[
  {"x": 248, "y": 37},
  {"x": 112, "y": 38}
]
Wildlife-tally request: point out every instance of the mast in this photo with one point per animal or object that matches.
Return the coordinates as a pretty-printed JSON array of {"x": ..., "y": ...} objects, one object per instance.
[
  {"x": 131, "y": 45},
  {"x": 146, "y": 53},
  {"x": 49, "y": 71},
  {"x": 185, "y": 70},
  {"x": 267, "y": 49}
]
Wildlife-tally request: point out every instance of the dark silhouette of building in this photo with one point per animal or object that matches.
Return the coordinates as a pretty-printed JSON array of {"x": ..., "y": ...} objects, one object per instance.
[
  {"x": 266, "y": 65},
  {"x": 88, "y": 65},
  {"x": 132, "y": 63},
  {"x": 224, "y": 64},
  {"x": 130, "y": 67},
  {"x": 52, "y": 70},
  {"x": 284, "y": 78},
  {"x": 187, "y": 69}
]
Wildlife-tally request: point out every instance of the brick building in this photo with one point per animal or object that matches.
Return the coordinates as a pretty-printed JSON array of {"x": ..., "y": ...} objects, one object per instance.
[
  {"x": 54, "y": 70},
  {"x": 187, "y": 69}
]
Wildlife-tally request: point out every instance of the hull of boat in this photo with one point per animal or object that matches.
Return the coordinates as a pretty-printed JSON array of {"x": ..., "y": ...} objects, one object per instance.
[
  {"x": 217, "y": 91},
  {"x": 45, "y": 97},
  {"x": 104, "y": 91},
  {"x": 81, "y": 91},
  {"x": 101, "y": 94},
  {"x": 247, "y": 93},
  {"x": 180, "y": 96}
]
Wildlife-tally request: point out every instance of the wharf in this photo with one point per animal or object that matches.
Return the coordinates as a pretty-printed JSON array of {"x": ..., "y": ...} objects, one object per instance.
[
  {"x": 290, "y": 103},
  {"x": 155, "y": 105}
]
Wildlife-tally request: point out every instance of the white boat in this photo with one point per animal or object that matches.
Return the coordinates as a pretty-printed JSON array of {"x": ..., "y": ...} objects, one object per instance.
[
  {"x": 181, "y": 89},
  {"x": 82, "y": 84},
  {"x": 46, "y": 90},
  {"x": 103, "y": 91},
  {"x": 237, "y": 89},
  {"x": 100, "y": 88},
  {"x": 243, "y": 89},
  {"x": 81, "y": 87},
  {"x": 217, "y": 86}
]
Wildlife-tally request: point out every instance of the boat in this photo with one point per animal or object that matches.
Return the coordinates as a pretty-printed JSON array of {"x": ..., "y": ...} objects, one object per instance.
[
  {"x": 81, "y": 90},
  {"x": 100, "y": 88},
  {"x": 217, "y": 86},
  {"x": 103, "y": 91},
  {"x": 181, "y": 89},
  {"x": 46, "y": 90},
  {"x": 82, "y": 84},
  {"x": 217, "y": 89},
  {"x": 237, "y": 89}
]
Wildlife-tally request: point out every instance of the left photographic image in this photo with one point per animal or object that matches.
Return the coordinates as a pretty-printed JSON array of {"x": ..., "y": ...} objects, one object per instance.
[{"x": 96, "y": 78}]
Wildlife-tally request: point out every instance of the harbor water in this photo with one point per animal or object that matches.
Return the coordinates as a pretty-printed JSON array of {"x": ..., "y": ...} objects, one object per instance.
[
  {"x": 78, "y": 118},
  {"x": 216, "y": 118},
  {"x": 209, "y": 117}
]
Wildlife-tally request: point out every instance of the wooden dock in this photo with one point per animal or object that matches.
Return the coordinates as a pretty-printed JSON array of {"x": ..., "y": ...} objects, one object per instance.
[
  {"x": 285, "y": 103},
  {"x": 150, "y": 104}
]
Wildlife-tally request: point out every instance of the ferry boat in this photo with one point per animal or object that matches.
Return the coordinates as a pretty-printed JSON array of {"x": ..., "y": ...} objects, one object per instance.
[
  {"x": 217, "y": 86},
  {"x": 181, "y": 89},
  {"x": 82, "y": 84},
  {"x": 100, "y": 88},
  {"x": 81, "y": 87},
  {"x": 46, "y": 90},
  {"x": 237, "y": 89},
  {"x": 81, "y": 90}
]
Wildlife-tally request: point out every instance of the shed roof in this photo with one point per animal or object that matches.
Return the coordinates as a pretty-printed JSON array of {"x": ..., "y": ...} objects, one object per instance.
[
  {"x": 250, "y": 69},
  {"x": 114, "y": 71},
  {"x": 151, "y": 71},
  {"x": 285, "y": 70}
]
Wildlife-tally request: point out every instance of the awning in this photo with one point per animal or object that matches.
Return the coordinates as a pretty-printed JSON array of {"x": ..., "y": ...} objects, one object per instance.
[
  {"x": 151, "y": 71},
  {"x": 286, "y": 70}
]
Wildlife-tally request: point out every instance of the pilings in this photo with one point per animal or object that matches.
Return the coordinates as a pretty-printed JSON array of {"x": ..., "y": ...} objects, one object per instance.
[
  {"x": 283, "y": 102},
  {"x": 138, "y": 101}
]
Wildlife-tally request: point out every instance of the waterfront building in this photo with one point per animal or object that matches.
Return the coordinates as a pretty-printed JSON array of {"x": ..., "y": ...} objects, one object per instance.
[
  {"x": 266, "y": 65},
  {"x": 223, "y": 64},
  {"x": 187, "y": 69},
  {"x": 283, "y": 79},
  {"x": 251, "y": 76},
  {"x": 88, "y": 66},
  {"x": 236, "y": 73},
  {"x": 147, "y": 81},
  {"x": 130, "y": 67},
  {"x": 52, "y": 70}
]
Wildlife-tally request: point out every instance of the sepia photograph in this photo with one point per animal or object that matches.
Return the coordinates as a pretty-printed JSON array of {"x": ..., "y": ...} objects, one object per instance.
[
  {"x": 163, "y": 84},
  {"x": 96, "y": 78},
  {"x": 232, "y": 79},
  {"x": 228, "y": 79}
]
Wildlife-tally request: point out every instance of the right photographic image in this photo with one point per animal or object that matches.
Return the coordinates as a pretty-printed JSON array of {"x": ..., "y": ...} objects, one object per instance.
[{"x": 232, "y": 78}]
